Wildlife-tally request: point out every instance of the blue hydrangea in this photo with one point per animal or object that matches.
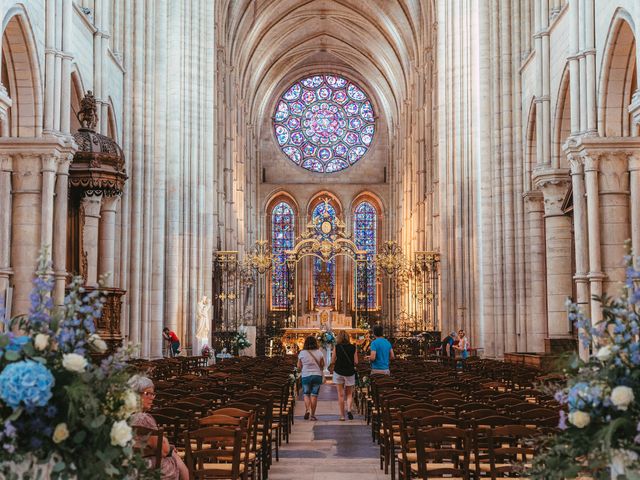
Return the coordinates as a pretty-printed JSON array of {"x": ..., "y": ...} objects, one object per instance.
[{"x": 26, "y": 382}]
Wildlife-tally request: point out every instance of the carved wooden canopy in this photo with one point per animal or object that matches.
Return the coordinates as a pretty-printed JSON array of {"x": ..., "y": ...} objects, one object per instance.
[{"x": 98, "y": 166}]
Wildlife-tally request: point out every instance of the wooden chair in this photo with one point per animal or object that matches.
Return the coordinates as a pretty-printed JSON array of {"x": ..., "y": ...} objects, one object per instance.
[
  {"x": 442, "y": 452},
  {"x": 153, "y": 454},
  {"x": 510, "y": 450},
  {"x": 215, "y": 453}
]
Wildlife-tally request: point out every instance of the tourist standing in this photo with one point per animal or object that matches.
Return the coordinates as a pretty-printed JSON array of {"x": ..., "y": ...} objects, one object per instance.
[
  {"x": 462, "y": 346},
  {"x": 311, "y": 368},
  {"x": 174, "y": 342},
  {"x": 447, "y": 345},
  {"x": 381, "y": 352},
  {"x": 343, "y": 367}
]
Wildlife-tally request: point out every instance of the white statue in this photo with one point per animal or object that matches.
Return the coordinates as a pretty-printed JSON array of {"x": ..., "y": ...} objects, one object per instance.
[{"x": 204, "y": 325}]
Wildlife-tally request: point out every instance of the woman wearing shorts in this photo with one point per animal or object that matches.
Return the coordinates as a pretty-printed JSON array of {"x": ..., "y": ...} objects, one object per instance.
[
  {"x": 311, "y": 366},
  {"x": 343, "y": 361}
]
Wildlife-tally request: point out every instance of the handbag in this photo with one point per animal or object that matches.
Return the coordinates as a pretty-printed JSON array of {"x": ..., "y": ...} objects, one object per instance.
[{"x": 317, "y": 363}]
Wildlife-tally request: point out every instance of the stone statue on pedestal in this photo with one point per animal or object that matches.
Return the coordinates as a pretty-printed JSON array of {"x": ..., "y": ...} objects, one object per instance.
[{"x": 204, "y": 325}]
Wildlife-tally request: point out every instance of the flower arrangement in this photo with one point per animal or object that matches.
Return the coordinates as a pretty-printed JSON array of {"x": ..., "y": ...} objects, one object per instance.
[
  {"x": 326, "y": 339},
  {"x": 240, "y": 339},
  {"x": 206, "y": 351},
  {"x": 62, "y": 416},
  {"x": 600, "y": 420}
]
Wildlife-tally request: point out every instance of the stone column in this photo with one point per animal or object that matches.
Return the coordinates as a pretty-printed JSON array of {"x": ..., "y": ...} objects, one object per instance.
[
  {"x": 581, "y": 241},
  {"x": 91, "y": 210},
  {"x": 593, "y": 218},
  {"x": 108, "y": 238},
  {"x": 634, "y": 188},
  {"x": 5, "y": 224},
  {"x": 558, "y": 254},
  {"x": 537, "y": 324},
  {"x": 615, "y": 222},
  {"x": 26, "y": 209},
  {"x": 60, "y": 229},
  {"x": 5, "y": 104},
  {"x": 49, "y": 169}
]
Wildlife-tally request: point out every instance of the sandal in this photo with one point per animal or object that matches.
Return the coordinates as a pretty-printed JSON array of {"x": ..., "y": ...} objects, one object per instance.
[
  {"x": 350, "y": 415},
  {"x": 313, "y": 418},
  {"x": 306, "y": 415},
  {"x": 341, "y": 419}
]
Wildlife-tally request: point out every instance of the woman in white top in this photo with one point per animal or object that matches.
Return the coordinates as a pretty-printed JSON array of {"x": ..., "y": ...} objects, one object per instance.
[{"x": 311, "y": 366}]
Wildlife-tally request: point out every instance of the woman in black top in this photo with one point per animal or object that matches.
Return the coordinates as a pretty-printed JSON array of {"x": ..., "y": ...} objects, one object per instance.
[{"x": 343, "y": 366}]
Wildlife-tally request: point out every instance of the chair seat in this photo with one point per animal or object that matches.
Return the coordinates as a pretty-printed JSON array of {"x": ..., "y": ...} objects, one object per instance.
[
  {"x": 221, "y": 467},
  {"x": 432, "y": 466}
]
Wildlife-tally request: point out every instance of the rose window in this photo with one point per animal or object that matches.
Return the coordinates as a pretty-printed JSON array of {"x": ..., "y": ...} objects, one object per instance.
[{"x": 324, "y": 123}]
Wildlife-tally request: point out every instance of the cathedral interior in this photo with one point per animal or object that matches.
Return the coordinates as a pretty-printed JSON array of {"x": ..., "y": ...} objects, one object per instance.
[{"x": 425, "y": 165}]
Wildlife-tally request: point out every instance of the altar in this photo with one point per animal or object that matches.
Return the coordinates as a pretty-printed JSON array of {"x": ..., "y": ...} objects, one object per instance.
[
  {"x": 324, "y": 319},
  {"x": 293, "y": 338}
]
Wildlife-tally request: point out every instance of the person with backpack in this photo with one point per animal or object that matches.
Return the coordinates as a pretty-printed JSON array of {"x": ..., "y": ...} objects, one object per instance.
[
  {"x": 447, "y": 345},
  {"x": 343, "y": 367}
]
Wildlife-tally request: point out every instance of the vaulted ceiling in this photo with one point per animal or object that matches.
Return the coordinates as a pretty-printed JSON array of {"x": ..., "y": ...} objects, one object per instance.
[{"x": 270, "y": 43}]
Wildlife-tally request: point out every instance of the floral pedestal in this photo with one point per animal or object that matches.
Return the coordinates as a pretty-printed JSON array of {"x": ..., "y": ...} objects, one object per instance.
[{"x": 328, "y": 351}]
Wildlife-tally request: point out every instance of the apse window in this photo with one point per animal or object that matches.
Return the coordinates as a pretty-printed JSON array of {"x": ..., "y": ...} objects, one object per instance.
[{"x": 324, "y": 123}]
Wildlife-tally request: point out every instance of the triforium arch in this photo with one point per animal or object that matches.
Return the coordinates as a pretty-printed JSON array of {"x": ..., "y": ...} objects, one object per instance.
[{"x": 21, "y": 75}]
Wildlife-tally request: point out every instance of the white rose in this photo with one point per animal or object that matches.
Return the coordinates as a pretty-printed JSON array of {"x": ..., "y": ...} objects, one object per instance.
[
  {"x": 121, "y": 434},
  {"x": 131, "y": 404},
  {"x": 99, "y": 344},
  {"x": 74, "y": 362},
  {"x": 580, "y": 419},
  {"x": 61, "y": 433},
  {"x": 604, "y": 353},
  {"x": 41, "y": 341},
  {"x": 622, "y": 397}
]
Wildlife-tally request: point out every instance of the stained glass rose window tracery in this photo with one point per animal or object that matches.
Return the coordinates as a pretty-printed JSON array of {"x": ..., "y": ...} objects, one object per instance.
[{"x": 324, "y": 123}]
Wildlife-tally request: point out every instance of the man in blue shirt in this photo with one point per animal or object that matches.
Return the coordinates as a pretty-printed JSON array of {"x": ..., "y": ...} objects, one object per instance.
[{"x": 381, "y": 352}]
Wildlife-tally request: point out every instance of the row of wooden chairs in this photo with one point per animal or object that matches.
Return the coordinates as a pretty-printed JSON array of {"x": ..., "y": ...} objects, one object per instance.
[
  {"x": 404, "y": 407},
  {"x": 227, "y": 420}
]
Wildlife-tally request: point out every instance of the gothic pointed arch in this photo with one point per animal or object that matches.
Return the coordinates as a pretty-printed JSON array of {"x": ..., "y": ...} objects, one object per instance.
[
  {"x": 21, "y": 75},
  {"x": 619, "y": 78},
  {"x": 281, "y": 214},
  {"x": 366, "y": 214}
]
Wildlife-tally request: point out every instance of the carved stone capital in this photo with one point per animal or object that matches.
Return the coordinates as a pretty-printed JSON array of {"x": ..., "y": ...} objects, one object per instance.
[
  {"x": 554, "y": 185},
  {"x": 534, "y": 201}
]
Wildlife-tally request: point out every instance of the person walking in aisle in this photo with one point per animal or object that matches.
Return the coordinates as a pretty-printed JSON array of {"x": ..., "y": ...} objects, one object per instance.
[
  {"x": 174, "y": 342},
  {"x": 311, "y": 368},
  {"x": 381, "y": 352},
  {"x": 343, "y": 367}
]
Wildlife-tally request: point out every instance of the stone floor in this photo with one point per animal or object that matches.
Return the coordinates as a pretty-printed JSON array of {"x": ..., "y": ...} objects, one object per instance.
[{"x": 328, "y": 449}]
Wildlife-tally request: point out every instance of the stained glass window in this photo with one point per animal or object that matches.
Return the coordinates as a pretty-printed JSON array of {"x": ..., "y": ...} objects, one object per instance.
[
  {"x": 282, "y": 238},
  {"x": 324, "y": 273},
  {"x": 366, "y": 228},
  {"x": 324, "y": 123}
]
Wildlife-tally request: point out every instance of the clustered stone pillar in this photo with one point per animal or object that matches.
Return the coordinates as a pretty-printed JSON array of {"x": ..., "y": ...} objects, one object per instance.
[
  {"x": 558, "y": 254},
  {"x": 613, "y": 189},
  {"x": 634, "y": 190},
  {"x": 60, "y": 229},
  {"x": 537, "y": 324},
  {"x": 108, "y": 239},
  {"x": 26, "y": 214},
  {"x": 593, "y": 218},
  {"x": 91, "y": 208},
  {"x": 581, "y": 240},
  {"x": 5, "y": 224}
]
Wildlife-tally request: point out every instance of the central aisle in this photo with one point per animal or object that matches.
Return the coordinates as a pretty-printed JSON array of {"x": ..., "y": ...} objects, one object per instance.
[{"x": 328, "y": 449}]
